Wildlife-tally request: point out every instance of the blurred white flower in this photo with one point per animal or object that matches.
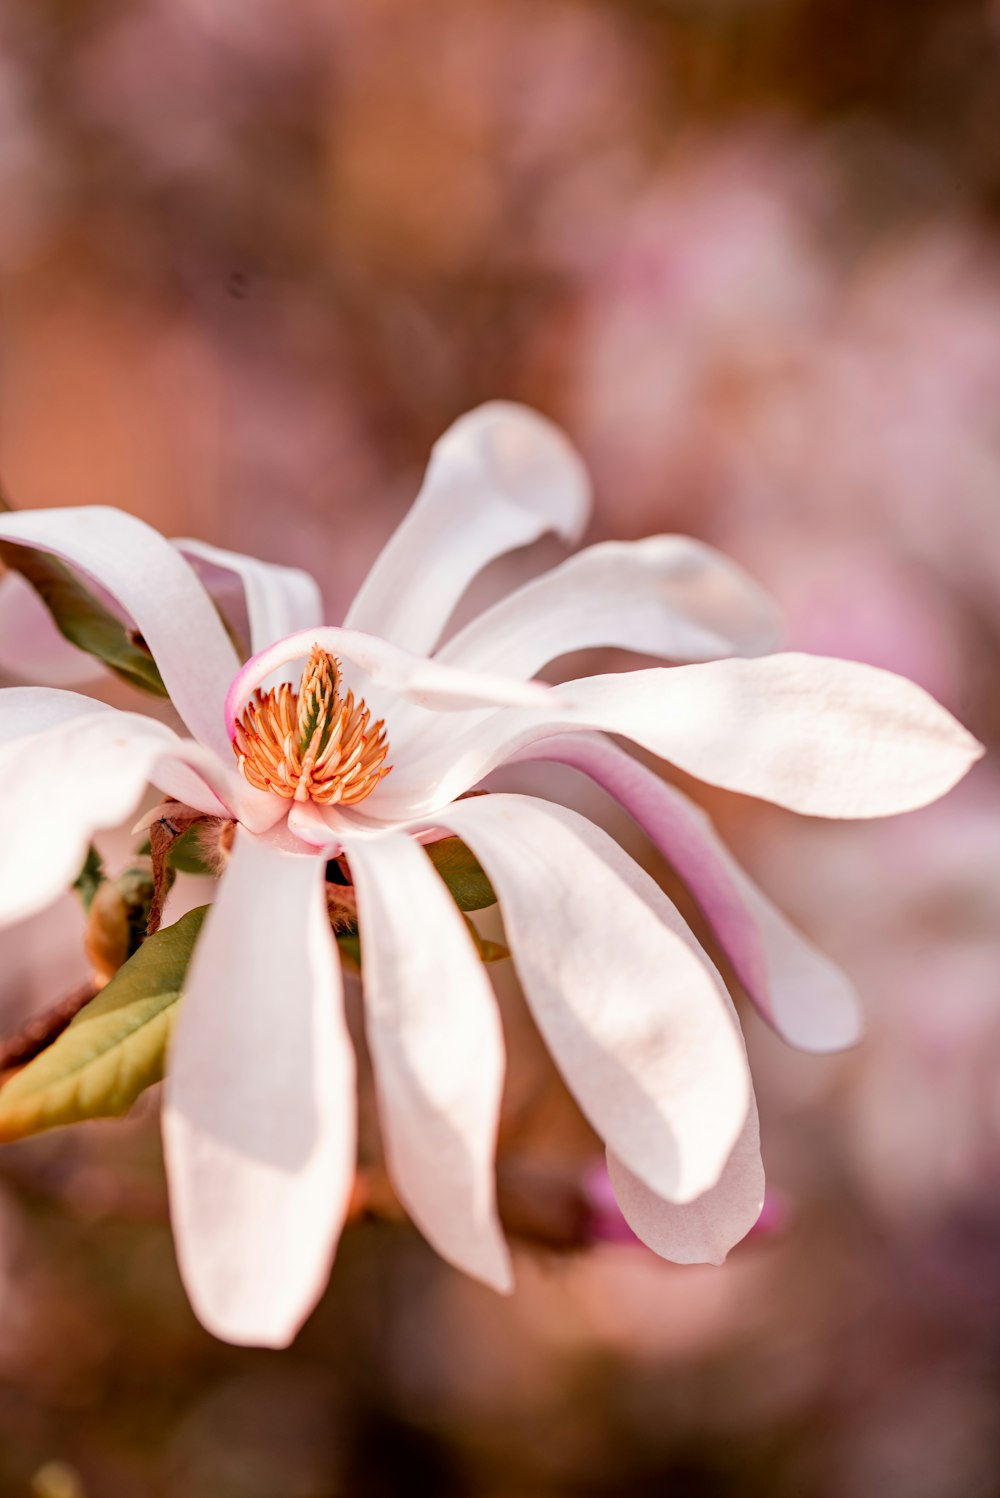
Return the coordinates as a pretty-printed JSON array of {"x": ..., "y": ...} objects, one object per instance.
[{"x": 374, "y": 754}]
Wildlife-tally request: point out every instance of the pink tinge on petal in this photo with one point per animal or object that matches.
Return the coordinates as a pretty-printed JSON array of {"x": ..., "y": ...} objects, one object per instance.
[
  {"x": 775, "y": 1215},
  {"x": 499, "y": 478},
  {"x": 157, "y": 589},
  {"x": 605, "y": 1221},
  {"x": 259, "y": 1110},
  {"x": 797, "y": 989},
  {"x": 701, "y": 1231},
  {"x": 634, "y": 1015},
  {"x": 424, "y": 682},
  {"x": 437, "y": 1050}
]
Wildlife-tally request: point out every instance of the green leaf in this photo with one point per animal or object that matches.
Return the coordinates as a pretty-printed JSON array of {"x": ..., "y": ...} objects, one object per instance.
[
  {"x": 115, "y": 1047},
  {"x": 81, "y": 617},
  {"x": 349, "y": 943},
  {"x": 462, "y": 873},
  {"x": 187, "y": 855},
  {"x": 90, "y": 878}
]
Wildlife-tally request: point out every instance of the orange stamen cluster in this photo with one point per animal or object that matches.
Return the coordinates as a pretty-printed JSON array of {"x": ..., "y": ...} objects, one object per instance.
[{"x": 313, "y": 744}]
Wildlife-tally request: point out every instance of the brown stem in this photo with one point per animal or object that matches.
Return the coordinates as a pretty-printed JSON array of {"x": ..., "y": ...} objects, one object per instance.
[
  {"x": 40, "y": 1032},
  {"x": 342, "y": 906},
  {"x": 163, "y": 833}
]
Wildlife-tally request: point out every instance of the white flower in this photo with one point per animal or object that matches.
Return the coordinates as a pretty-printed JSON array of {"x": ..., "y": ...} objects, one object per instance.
[{"x": 258, "y": 1120}]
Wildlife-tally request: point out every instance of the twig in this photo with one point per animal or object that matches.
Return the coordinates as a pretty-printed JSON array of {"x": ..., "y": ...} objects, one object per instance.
[
  {"x": 163, "y": 833},
  {"x": 40, "y": 1032}
]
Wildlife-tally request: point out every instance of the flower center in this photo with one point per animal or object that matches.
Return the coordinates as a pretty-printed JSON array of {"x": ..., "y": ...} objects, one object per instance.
[{"x": 313, "y": 744}]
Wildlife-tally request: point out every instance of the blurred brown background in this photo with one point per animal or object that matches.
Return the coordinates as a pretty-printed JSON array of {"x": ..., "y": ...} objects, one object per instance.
[{"x": 254, "y": 256}]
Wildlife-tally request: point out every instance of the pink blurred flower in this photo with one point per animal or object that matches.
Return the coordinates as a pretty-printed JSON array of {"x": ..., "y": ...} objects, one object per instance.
[{"x": 744, "y": 368}]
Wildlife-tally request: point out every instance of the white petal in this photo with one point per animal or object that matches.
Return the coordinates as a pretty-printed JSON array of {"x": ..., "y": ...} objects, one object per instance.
[
  {"x": 182, "y": 768},
  {"x": 259, "y": 1113},
  {"x": 31, "y": 646},
  {"x": 280, "y": 600},
  {"x": 421, "y": 681},
  {"x": 157, "y": 588},
  {"x": 637, "y": 1021},
  {"x": 823, "y": 737},
  {"x": 498, "y": 479},
  {"x": 70, "y": 766},
  {"x": 437, "y": 1049},
  {"x": 819, "y": 736},
  {"x": 666, "y": 596},
  {"x": 60, "y": 785},
  {"x": 306, "y": 822},
  {"x": 28, "y": 710},
  {"x": 704, "y": 1230},
  {"x": 797, "y": 989},
  {"x": 193, "y": 774}
]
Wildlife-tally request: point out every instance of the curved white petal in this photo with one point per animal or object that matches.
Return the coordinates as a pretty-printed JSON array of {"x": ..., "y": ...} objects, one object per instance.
[
  {"x": 421, "y": 681},
  {"x": 158, "y": 589},
  {"x": 437, "y": 1049},
  {"x": 183, "y": 769},
  {"x": 499, "y": 478},
  {"x": 636, "y": 1019},
  {"x": 77, "y": 773},
  {"x": 28, "y": 710},
  {"x": 280, "y": 600},
  {"x": 704, "y": 1230},
  {"x": 259, "y": 1110},
  {"x": 70, "y": 766},
  {"x": 667, "y": 596},
  {"x": 307, "y": 822},
  {"x": 31, "y": 646},
  {"x": 823, "y": 737},
  {"x": 193, "y": 774},
  {"x": 797, "y": 989}
]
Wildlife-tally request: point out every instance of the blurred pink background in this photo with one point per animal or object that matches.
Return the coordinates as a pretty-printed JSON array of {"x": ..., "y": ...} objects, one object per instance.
[{"x": 255, "y": 255}]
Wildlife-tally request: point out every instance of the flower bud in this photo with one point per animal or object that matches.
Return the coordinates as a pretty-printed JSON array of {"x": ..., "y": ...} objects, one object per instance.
[{"x": 117, "y": 919}]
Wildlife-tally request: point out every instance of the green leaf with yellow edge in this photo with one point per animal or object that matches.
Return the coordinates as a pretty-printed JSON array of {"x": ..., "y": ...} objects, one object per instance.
[
  {"x": 462, "y": 873},
  {"x": 114, "y": 1049}
]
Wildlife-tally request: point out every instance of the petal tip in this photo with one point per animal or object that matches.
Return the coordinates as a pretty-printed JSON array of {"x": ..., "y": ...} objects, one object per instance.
[
  {"x": 833, "y": 1042},
  {"x": 499, "y": 1273},
  {"x": 532, "y": 459}
]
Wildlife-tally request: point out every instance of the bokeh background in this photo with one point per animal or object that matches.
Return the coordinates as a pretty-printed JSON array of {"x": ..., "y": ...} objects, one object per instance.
[{"x": 255, "y": 255}]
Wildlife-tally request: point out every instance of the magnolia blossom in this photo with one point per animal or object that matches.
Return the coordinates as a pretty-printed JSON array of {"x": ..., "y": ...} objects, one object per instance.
[{"x": 370, "y": 751}]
